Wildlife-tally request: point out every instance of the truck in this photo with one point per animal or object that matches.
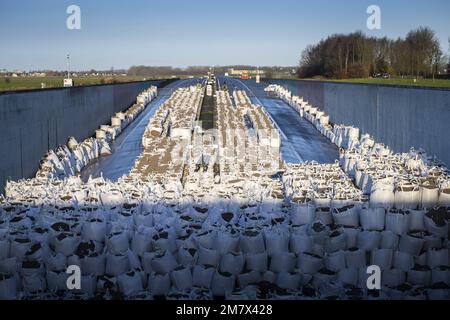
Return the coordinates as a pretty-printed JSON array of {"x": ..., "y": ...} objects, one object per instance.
[{"x": 245, "y": 76}]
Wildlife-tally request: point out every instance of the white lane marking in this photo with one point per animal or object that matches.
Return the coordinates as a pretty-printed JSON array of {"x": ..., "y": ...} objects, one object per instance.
[{"x": 299, "y": 158}]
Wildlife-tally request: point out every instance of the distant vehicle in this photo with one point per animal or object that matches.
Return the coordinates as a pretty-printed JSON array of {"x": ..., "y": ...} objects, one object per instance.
[
  {"x": 245, "y": 76},
  {"x": 209, "y": 90},
  {"x": 227, "y": 74}
]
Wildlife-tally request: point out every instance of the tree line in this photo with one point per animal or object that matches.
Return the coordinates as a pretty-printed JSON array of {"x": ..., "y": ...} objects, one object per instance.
[{"x": 357, "y": 55}]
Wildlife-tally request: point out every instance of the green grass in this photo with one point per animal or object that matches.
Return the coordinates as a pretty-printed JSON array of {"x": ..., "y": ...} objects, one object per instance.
[
  {"x": 26, "y": 83},
  {"x": 437, "y": 83}
]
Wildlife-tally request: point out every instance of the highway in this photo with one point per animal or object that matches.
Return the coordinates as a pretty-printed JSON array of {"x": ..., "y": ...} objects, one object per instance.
[
  {"x": 128, "y": 146},
  {"x": 301, "y": 142}
]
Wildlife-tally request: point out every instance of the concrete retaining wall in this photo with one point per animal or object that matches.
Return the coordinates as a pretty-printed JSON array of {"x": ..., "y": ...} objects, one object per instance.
[
  {"x": 400, "y": 117},
  {"x": 33, "y": 122}
]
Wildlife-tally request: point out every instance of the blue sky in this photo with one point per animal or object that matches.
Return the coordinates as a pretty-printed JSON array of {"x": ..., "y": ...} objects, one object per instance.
[{"x": 115, "y": 33}]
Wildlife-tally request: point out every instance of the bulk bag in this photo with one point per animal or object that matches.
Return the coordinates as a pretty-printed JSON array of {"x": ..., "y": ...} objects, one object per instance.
[
  {"x": 382, "y": 258},
  {"x": 117, "y": 243},
  {"x": 431, "y": 242},
  {"x": 159, "y": 284},
  {"x": 416, "y": 220},
  {"x": 56, "y": 280},
  {"x": 348, "y": 276},
  {"x": 335, "y": 261},
  {"x": 302, "y": 214},
  {"x": 257, "y": 261},
  {"x": 9, "y": 287},
  {"x": 130, "y": 283},
  {"x": 282, "y": 262},
  {"x": 393, "y": 277},
  {"x": 355, "y": 258},
  {"x": 117, "y": 264},
  {"x": 147, "y": 262},
  {"x": 208, "y": 257},
  {"x": 411, "y": 244},
  {"x": 164, "y": 262},
  {"x": 55, "y": 262},
  {"x": 309, "y": 263},
  {"x": 142, "y": 241},
  {"x": 440, "y": 275},
  {"x": 351, "y": 236},
  {"x": 397, "y": 221},
  {"x": 4, "y": 249},
  {"x": 419, "y": 277},
  {"x": 403, "y": 261},
  {"x": 438, "y": 258},
  {"x": 373, "y": 219},
  {"x": 407, "y": 197},
  {"x": 250, "y": 278},
  {"x": 94, "y": 229},
  {"x": 222, "y": 284},
  {"x": 276, "y": 241},
  {"x": 187, "y": 256},
  {"x": 182, "y": 278},
  {"x": 252, "y": 241},
  {"x": 19, "y": 248},
  {"x": 336, "y": 241},
  {"x": 347, "y": 216},
  {"x": 288, "y": 280},
  {"x": 429, "y": 196},
  {"x": 143, "y": 219},
  {"x": 389, "y": 240},
  {"x": 202, "y": 276},
  {"x": 444, "y": 198},
  {"x": 164, "y": 241},
  {"x": 436, "y": 224},
  {"x": 34, "y": 283},
  {"x": 206, "y": 239},
  {"x": 232, "y": 263},
  {"x": 301, "y": 243},
  {"x": 323, "y": 215},
  {"x": 93, "y": 264},
  {"x": 270, "y": 277},
  {"x": 382, "y": 194},
  {"x": 369, "y": 240},
  {"x": 65, "y": 243},
  {"x": 226, "y": 242}
]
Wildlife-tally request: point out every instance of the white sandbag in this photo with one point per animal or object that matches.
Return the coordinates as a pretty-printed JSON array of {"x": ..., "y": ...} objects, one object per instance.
[
  {"x": 282, "y": 262},
  {"x": 181, "y": 278},
  {"x": 163, "y": 263},
  {"x": 34, "y": 283},
  {"x": 164, "y": 242},
  {"x": 348, "y": 276},
  {"x": 438, "y": 258},
  {"x": 117, "y": 264},
  {"x": 4, "y": 248},
  {"x": 440, "y": 275},
  {"x": 226, "y": 242},
  {"x": 276, "y": 241},
  {"x": 289, "y": 280},
  {"x": 55, "y": 262},
  {"x": 309, "y": 264},
  {"x": 393, "y": 277},
  {"x": 416, "y": 220},
  {"x": 93, "y": 264},
  {"x": 301, "y": 243},
  {"x": 355, "y": 258},
  {"x": 9, "y": 287},
  {"x": 56, "y": 281},
  {"x": 302, "y": 214},
  {"x": 252, "y": 242},
  {"x": 19, "y": 248},
  {"x": 429, "y": 196},
  {"x": 397, "y": 222},
  {"x": 444, "y": 197},
  {"x": 369, "y": 240},
  {"x": 130, "y": 283},
  {"x": 410, "y": 244},
  {"x": 206, "y": 239},
  {"x": 187, "y": 256},
  {"x": 347, "y": 216},
  {"x": 222, "y": 284},
  {"x": 382, "y": 194},
  {"x": 232, "y": 263},
  {"x": 159, "y": 285},
  {"x": 202, "y": 276},
  {"x": 389, "y": 240},
  {"x": 208, "y": 257},
  {"x": 407, "y": 197},
  {"x": 373, "y": 219},
  {"x": 438, "y": 230},
  {"x": 336, "y": 241},
  {"x": 419, "y": 277},
  {"x": 403, "y": 261},
  {"x": 143, "y": 219},
  {"x": 117, "y": 243},
  {"x": 335, "y": 261},
  {"x": 94, "y": 229},
  {"x": 323, "y": 214},
  {"x": 250, "y": 278},
  {"x": 382, "y": 258},
  {"x": 351, "y": 236},
  {"x": 66, "y": 243},
  {"x": 142, "y": 241},
  {"x": 257, "y": 261}
]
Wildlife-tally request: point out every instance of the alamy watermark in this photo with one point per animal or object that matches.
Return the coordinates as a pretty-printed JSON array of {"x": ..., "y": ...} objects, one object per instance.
[
  {"x": 374, "y": 279},
  {"x": 374, "y": 19},
  {"x": 73, "y": 21}
]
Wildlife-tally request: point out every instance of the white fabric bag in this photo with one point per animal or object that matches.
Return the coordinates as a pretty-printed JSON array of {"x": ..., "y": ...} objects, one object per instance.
[
  {"x": 419, "y": 277},
  {"x": 382, "y": 258},
  {"x": 416, "y": 221},
  {"x": 301, "y": 243},
  {"x": 403, "y": 261},
  {"x": 288, "y": 280},
  {"x": 93, "y": 264},
  {"x": 232, "y": 263},
  {"x": 257, "y": 261},
  {"x": 118, "y": 243},
  {"x": 373, "y": 219},
  {"x": 393, "y": 277},
  {"x": 57, "y": 281},
  {"x": 355, "y": 258},
  {"x": 250, "y": 278},
  {"x": 159, "y": 285},
  {"x": 369, "y": 240},
  {"x": 130, "y": 283},
  {"x": 411, "y": 245},
  {"x": 94, "y": 229},
  {"x": 222, "y": 284},
  {"x": 252, "y": 241},
  {"x": 440, "y": 275},
  {"x": 182, "y": 278},
  {"x": 208, "y": 257},
  {"x": 302, "y": 214},
  {"x": 226, "y": 242},
  {"x": 282, "y": 262},
  {"x": 9, "y": 287},
  {"x": 389, "y": 240},
  {"x": 438, "y": 258},
  {"x": 164, "y": 263},
  {"x": 117, "y": 264},
  {"x": 347, "y": 216},
  {"x": 348, "y": 276},
  {"x": 4, "y": 248},
  {"x": 276, "y": 241},
  {"x": 309, "y": 264},
  {"x": 187, "y": 256},
  {"x": 335, "y": 261},
  {"x": 202, "y": 276},
  {"x": 397, "y": 222}
]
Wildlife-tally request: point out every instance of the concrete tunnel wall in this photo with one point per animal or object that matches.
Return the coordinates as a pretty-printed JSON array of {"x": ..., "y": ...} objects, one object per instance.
[
  {"x": 400, "y": 117},
  {"x": 33, "y": 122}
]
